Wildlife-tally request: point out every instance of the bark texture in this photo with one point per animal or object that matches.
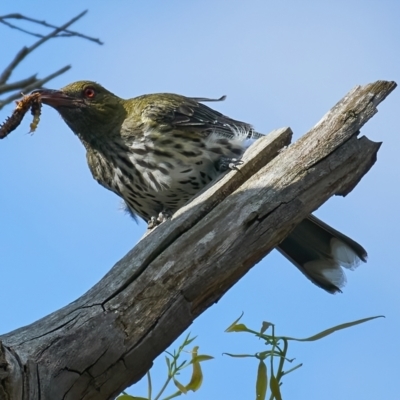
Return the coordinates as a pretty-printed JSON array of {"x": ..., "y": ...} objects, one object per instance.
[{"x": 108, "y": 338}]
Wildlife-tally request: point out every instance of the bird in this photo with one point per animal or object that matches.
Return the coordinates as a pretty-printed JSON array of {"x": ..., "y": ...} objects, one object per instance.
[{"x": 157, "y": 151}]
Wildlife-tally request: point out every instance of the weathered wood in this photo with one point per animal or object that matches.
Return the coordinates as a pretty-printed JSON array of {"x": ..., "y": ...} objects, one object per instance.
[{"x": 107, "y": 339}]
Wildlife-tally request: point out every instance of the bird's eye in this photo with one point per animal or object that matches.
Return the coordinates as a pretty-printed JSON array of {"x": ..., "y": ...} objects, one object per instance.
[{"x": 89, "y": 92}]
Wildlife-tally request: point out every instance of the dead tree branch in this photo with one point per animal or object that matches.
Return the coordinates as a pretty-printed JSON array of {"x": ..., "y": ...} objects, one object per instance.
[
  {"x": 108, "y": 338},
  {"x": 28, "y": 84}
]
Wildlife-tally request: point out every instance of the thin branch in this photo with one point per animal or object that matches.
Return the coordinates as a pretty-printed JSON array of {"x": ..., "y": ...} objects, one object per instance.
[
  {"x": 26, "y": 50},
  {"x": 17, "y": 85},
  {"x": 37, "y": 84},
  {"x": 12, "y": 26},
  {"x": 68, "y": 33},
  {"x": 28, "y": 84}
]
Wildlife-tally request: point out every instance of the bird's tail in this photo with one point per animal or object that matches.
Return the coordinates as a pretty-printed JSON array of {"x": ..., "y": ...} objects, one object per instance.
[{"x": 320, "y": 252}]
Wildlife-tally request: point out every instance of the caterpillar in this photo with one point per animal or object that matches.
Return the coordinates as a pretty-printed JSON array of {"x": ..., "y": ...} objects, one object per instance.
[{"x": 30, "y": 101}]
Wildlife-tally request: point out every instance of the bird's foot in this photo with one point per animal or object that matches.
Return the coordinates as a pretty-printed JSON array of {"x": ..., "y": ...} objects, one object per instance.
[
  {"x": 163, "y": 216},
  {"x": 152, "y": 222},
  {"x": 226, "y": 163},
  {"x": 159, "y": 219}
]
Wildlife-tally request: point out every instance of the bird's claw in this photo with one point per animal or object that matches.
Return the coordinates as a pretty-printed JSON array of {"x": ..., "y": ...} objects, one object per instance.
[
  {"x": 161, "y": 217},
  {"x": 226, "y": 163}
]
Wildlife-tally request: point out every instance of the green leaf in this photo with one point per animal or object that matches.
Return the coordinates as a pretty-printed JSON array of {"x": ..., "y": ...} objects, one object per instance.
[
  {"x": 200, "y": 358},
  {"x": 262, "y": 381},
  {"x": 264, "y": 326},
  {"x": 275, "y": 389},
  {"x": 197, "y": 375},
  {"x": 333, "y": 329},
  {"x": 188, "y": 341},
  {"x": 237, "y": 328},
  {"x": 234, "y": 323},
  {"x": 239, "y": 355},
  {"x": 291, "y": 369},
  {"x": 176, "y": 394},
  {"x": 168, "y": 363},
  {"x": 180, "y": 386},
  {"x": 181, "y": 365},
  {"x": 186, "y": 338},
  {"x": 268, "y": 353}
]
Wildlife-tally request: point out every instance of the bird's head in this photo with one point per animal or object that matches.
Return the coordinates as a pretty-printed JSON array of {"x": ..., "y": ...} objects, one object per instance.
[{"x": 89, "y": 109}]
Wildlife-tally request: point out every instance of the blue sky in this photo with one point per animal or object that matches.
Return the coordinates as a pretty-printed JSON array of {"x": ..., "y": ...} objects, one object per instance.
[{"x": 280, "y": 63}]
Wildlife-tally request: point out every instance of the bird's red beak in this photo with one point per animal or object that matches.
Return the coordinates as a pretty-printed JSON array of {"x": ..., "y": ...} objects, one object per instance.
[{"x": 55, "y": 98}]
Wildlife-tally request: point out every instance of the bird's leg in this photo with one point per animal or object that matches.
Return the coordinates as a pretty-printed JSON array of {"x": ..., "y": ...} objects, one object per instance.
[
  {"x": 226, "y": 163},
  {"x": 164, "y": 215},
  {"x": 152, "y": 222},
  {"x": 157, "y": 220}
]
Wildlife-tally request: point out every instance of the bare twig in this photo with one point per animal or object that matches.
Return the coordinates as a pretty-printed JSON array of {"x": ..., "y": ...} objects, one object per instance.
[
  {"x": 8, "y": 87},
  {"x": 26, "y": 50},
  {"x": 67, "y": 32},
  {"x": 37, "y": 84},
  {"x": 28, "y": 84}
]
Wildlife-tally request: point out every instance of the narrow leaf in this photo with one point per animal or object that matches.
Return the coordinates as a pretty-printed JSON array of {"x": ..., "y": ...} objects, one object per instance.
[
  {"x": 233, "y": 323},
  {"x": 188, "y": 341},
  {"x": 237, "y": 328},
  {"x": 333, "y": 329},
  {"x": 275, "y": 389},
  {"x": 180, "y": 386},
  {"x": 197, "y": 375},
  {"x": 264, "y": 326},
  {"x": 239, "y": 355},
  {"x": 292, "y": 369},
  {"x": 181, "y": 365},
  {"x": 262, "y": 381},
  {"x": 268, "y": 353},
  {"x": 200, "y": 358},
  {"x": 172, "y": 396}
]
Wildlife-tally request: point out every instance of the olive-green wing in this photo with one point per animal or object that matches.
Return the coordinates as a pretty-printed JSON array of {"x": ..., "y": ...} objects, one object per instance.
[{"x": 170, "y": 111}]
